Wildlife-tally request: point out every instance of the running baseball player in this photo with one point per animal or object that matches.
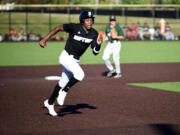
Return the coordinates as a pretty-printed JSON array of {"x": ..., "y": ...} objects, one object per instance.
[
  {"x": 114, "y": 34},
  {"x": 81, "y": 36}
]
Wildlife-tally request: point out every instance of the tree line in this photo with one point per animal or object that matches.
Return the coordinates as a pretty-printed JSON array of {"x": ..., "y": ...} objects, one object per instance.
[{"x": 91, "y": 1}]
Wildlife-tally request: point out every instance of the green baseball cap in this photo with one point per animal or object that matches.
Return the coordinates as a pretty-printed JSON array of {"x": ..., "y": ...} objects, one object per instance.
[{"x": 112, "y": 18}]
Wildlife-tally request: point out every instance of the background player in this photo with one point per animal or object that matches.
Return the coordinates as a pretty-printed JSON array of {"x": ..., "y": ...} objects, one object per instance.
[
  {"x": 114, "y": 34},
  {"x": 81, "y": 36}
]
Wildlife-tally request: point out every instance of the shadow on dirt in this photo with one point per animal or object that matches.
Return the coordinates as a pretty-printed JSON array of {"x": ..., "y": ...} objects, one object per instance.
[
  {"x": 165, "y": 129},
  {"x": 105, "y": 74},
  {"x": 74, "y": 109}
]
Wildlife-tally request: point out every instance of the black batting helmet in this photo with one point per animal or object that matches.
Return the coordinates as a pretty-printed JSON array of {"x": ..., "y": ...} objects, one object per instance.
[
  {"x": 86, "y": 14},
  {"x": 112, "y": 18}
]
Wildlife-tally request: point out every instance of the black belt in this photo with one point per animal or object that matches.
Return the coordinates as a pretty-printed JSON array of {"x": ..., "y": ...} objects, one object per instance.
[
  {"x": 114, "y": 40},
  {"x": 74, "y": 56}
]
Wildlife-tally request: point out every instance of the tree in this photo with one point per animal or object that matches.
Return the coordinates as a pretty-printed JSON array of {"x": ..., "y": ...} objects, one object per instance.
[
  {"x": 91, "y": 1},
  {"x": 135, "y": 2}
]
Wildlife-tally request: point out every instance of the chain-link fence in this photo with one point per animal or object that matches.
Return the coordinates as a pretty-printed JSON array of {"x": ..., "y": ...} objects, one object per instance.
[{"x": 34, "y": 21}]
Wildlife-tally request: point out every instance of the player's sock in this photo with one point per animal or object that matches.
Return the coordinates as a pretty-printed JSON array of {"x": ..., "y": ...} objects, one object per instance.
[
  {"x": 71, "y": 82},
  {"x": 54, "y": 94}
]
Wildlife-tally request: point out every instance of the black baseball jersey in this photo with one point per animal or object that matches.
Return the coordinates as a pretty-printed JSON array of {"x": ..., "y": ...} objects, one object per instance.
[{"x": 80, "y": 39}]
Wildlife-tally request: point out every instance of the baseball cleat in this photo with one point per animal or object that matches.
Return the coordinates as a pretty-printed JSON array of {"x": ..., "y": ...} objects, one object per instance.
[
  {"x": 118, "y": 76},
  {"x": 50, "y": 108},
  {"x": 110, "y": 73},
  {"x": 61, "y": 97}
]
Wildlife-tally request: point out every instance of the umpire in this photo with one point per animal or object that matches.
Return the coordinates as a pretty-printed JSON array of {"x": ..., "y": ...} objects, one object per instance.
[{"x": 81, "y": 36}]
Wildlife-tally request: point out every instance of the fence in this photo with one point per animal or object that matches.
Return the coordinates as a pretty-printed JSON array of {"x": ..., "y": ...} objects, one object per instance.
[{"x": 40, "y": 19}]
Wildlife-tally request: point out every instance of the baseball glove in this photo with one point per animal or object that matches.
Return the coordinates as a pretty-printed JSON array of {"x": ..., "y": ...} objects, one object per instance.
[{"x": 114, "y": 33}]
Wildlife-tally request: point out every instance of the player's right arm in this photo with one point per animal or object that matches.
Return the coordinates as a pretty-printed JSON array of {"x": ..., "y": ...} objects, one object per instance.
[
  {"x": 108, "y": 33},
  {"x": 42, "y": 43}
]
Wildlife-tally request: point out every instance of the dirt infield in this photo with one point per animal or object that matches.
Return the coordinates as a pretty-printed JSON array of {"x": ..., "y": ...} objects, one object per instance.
[{"x": 96, "y": 106}]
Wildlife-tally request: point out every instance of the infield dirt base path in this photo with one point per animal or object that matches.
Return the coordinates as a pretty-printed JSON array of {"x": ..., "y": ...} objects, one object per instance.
[{"x": 95, "y": 106}]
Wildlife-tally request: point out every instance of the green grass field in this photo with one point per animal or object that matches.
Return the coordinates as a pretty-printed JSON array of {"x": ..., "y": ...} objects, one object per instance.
[
  {"x": 168, "y": 86},
  {"x": 30, "y": 53}
]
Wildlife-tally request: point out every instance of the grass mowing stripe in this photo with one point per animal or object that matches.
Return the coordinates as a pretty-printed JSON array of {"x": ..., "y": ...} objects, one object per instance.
[
  {"x": 168, "y": 86},
  {"x": 30, "y": 53},
  {"x": 150, "y": 52}
]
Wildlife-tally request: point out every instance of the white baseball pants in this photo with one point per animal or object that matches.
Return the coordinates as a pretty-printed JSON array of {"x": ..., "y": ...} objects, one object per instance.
[
  {"x": 71, "y": 68},
  {"x": 112, "y": 49}
]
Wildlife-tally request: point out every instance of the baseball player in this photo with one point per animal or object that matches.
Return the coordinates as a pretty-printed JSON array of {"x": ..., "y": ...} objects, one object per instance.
[
  {"x": 114, "y": 34},
  {"x": 81, "y": 36}
]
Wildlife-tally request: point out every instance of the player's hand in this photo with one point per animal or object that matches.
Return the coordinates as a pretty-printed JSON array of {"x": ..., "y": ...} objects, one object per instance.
[
  {"x": 42, "y": 43},
  {"x": 100, "y": 39}
]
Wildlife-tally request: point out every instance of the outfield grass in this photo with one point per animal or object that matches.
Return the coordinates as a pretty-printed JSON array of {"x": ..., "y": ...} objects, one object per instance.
[
  {"x": 30, "y": 53},
  {"x": 168, "y": 86}
]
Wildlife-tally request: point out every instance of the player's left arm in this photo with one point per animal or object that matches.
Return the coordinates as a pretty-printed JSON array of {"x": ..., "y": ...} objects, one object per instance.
[
  {"x": 96, "y": 44},
  {"x": 120, "y": 35}
]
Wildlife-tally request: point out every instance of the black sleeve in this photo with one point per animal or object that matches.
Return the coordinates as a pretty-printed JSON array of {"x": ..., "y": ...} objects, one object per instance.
[
  {"x": 95, "y": 47},
  {"x": 69, "y": 27}
]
